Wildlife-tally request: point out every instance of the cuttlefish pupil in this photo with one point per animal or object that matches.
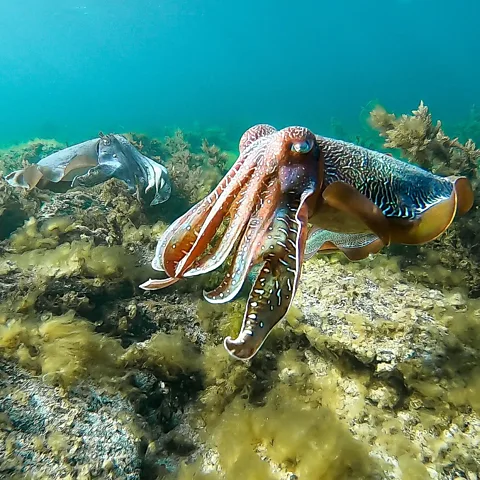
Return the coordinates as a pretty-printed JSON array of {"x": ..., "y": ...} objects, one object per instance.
[
  {"x": 303, "y": 146},
  {"x": 290, "y": 194}
]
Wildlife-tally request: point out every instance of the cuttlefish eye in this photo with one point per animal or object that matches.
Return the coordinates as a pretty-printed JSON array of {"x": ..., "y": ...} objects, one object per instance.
[{"x": 303, "y": 146}]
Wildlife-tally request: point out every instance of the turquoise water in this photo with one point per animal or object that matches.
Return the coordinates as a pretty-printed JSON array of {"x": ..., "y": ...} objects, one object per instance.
[{"x": 71, "y": 68}]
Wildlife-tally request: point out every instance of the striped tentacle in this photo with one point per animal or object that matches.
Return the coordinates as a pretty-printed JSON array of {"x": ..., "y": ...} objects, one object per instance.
[
  {"x": 186, "y": 238},
  {"x": 248, "y": 248},
  {"x": 277, "y": 281},
  {"x": 240, "y": 213},
  {"x": 220, "y": 206},
  {"x": 253, "y": 134}
]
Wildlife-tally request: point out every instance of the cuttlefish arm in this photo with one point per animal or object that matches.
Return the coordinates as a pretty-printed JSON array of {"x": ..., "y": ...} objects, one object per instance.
[
  {"x": 276, "y": 283},
  {"x": 182, "y": 245},
  {"x": 274, "y": 184}
]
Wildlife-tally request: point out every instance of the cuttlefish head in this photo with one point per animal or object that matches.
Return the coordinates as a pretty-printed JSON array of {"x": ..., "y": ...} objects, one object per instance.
[{"x": 265, "y": 200}]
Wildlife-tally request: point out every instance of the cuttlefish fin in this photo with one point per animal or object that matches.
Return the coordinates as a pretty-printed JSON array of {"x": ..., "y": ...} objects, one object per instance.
[
  {"x": 355, "y": 246},
  {"x": 349, "y": 200},
  {"x": 29, "y": 177},
  {"x": 275, "y": 286},
  {"x": 465, "y": 196},
  {"x": 436, "y": 219},
  {"x": 79, "y": 165}
]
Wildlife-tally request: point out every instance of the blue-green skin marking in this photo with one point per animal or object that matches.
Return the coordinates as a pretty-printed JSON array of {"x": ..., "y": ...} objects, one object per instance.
[{"x": 399, "y": 189}]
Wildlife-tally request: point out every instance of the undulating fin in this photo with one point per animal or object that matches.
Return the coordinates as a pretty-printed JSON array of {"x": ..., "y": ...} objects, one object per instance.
[
  {"x": 437, "y": 218},
  {"x": 349, "y": 200},
  {"x": 249, "y": 248},
  {"x": 277, "y": 281},
  {"x": 29, "y": 177},
  {"x": 253, "y": 134},
  {"x": 465, "y": 196},
  {"x": 430, "y": 224},
  {"x": 355, "y": 246}
]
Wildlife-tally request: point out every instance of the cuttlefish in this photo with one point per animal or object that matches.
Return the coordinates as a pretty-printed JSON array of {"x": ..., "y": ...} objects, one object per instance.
[
  {"x": 289, "y": 195},
  {"x": 95, "y": 161}
]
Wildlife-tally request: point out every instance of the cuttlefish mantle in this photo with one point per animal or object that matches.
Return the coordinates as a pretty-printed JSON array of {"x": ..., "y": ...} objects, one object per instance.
[
  {"x": 95, "y": 161},
  {"x": 290, "y": 195}
]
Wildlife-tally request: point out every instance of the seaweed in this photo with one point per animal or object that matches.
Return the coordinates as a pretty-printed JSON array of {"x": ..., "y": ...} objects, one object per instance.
[{"x": 425, "y": 143}]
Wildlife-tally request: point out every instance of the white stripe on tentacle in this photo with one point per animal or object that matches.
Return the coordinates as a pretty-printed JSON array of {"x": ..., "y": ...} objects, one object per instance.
[{"x": 181, "y": 236}]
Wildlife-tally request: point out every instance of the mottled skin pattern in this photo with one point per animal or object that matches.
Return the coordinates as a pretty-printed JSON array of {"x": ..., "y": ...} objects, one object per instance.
[
  {"x": 399, "y": 189},
  {"x": 283, "y": 181}
]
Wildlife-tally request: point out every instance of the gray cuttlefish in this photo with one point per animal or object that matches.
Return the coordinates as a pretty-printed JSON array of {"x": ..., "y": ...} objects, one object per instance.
[
  {"x": 289, "y": 195},
  {"x": 95, "y": 161}
]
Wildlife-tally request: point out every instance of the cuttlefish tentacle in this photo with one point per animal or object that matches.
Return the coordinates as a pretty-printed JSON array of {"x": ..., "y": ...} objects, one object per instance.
[
  {"x": 253, "y": 134},
  {"x": 186, "y": 239},
  {"x": 248, "y": 249},
  {"x": 240, "y": 213},
  {"x": 290, "y": 166},
  {"x": 219, "y": 203},
  {"x": 276, "y": 283}
]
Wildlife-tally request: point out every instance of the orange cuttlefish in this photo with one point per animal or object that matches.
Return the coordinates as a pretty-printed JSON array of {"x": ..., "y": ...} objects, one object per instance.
[{"x": 289, "y": 195}]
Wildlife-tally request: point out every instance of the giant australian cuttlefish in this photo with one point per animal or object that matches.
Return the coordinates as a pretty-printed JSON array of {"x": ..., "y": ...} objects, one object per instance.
[{"x": 285, "y": 188}]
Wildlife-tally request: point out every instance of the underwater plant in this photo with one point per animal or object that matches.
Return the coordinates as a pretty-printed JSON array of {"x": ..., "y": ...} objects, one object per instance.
[
  {"x": 425, "y": 143},
  {"x": 358, "y": 199}
]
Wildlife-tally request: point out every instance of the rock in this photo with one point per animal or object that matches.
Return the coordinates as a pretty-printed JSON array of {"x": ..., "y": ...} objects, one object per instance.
[
  {"x": 47, "y": 434},
  {"x": 15, "y": 208}
]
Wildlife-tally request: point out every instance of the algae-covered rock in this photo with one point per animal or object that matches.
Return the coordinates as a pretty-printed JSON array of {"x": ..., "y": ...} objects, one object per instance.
[
  {"x": 15, "y": 208},
  {"x": 48, "y": 435}
]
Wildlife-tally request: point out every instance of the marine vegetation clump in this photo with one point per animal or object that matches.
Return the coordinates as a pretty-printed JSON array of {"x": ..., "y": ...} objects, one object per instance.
[
  {"x": 15, "y": 208},
  {"x": 63, "y": 349},
  {"x": 293, "y": 431},
  {"x": 425, "y": 143},
  {"x": 47, "y": 235},
  {"x": 168, "y": 354},
  {"x": 66, "y": 349},
  {"x": 194, "y": 174}
]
